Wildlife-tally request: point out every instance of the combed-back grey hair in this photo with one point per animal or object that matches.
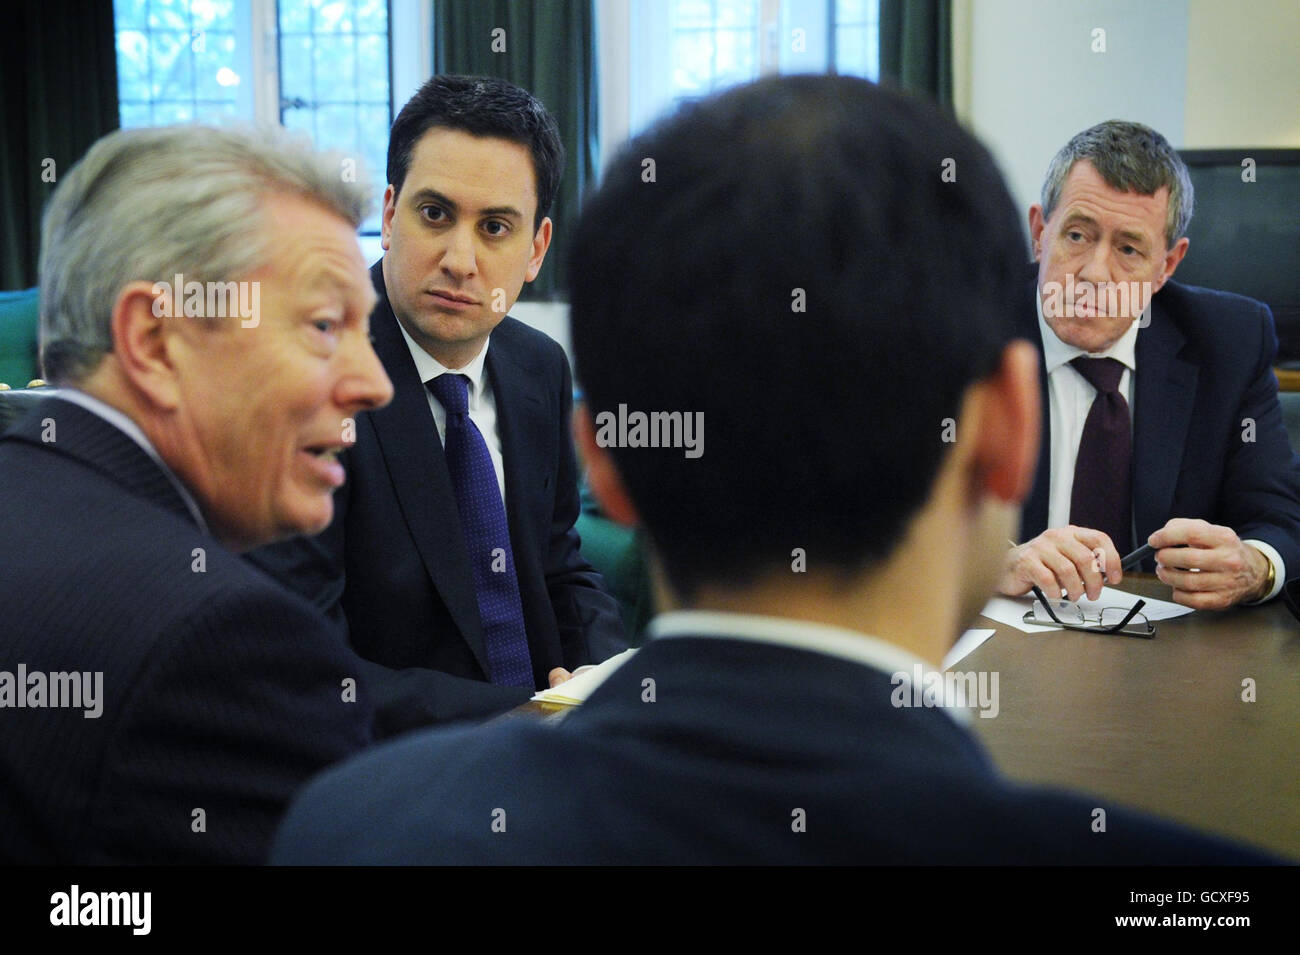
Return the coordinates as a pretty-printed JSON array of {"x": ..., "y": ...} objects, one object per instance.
[
  {"x": 1130, "y": 157},
  {"x": 148, "y": 204}
]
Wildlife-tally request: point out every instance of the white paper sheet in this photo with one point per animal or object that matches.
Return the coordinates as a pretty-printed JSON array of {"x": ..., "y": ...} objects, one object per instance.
[{"x": 1011, "y": 610}]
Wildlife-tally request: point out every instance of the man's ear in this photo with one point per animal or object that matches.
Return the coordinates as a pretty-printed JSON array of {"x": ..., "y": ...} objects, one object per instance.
[
  {"x": 1036, "y": 224},
  {"x": 1172, "y": 258},
  {"x": 141, "y": 312},
  {"x": 602, "y": 474},
  {"x": 1010, "y": 425},
  {"x": 541, "y": 242},
  {"x": 386, "y": 220}
]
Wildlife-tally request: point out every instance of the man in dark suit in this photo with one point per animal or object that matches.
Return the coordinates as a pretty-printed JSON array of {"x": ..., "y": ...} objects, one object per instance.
[
  {"x": 820, "y": 556},
  {"x": 204, "y": 310},
  {"x": 1163, "y": 421},
  {"x": 463, "y": 604}
]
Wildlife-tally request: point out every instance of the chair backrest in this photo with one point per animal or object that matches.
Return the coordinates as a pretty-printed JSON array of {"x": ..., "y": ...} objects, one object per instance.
[
  {"x": 19, "y": 324},
  {"x": 14, "y": 403}
]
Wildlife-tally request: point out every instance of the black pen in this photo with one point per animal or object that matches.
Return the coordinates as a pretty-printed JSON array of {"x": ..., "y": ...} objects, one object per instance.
[{"x": 1135, "y": 558}]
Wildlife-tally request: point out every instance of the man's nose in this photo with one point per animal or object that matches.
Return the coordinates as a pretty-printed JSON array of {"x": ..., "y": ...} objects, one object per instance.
[
  {"x": 458, "y": 256},
  {"x": 1096, "y": 267},
  {"x": 364, "y": 385}
]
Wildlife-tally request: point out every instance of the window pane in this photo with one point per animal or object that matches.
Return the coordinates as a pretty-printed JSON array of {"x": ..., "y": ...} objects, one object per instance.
[
  {"x": 215, "y": 73},
  {"x": 171, "y": 67},
  {"x": 132, "y": 67},
  {"x": 336, "y": 69}
]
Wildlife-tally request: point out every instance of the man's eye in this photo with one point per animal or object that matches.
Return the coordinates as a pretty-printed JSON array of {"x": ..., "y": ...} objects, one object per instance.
[
  {"x": 496, "y": 227},
  {"x": 433, "y": 213},
  {"x": 1074, "y": 235},
  {"x": 326, "y": 325}
]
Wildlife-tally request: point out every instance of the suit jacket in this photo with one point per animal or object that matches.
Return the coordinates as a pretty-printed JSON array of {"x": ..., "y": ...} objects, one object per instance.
[
  {"x": 392, "y": 569},
  {"x": 220, "y": 690},
  {"x": 740, "y": 736},
  {"x": 1204, "y": 373}
]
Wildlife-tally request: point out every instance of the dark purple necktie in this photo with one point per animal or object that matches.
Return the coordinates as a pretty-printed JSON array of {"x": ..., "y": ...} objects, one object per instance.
[
  {"x": 1102, "y": 497},
  {"x": 487, "y": 536}
]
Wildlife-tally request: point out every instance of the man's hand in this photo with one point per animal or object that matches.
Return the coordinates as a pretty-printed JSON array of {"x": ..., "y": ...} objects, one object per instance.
[
  {"x": 1207, "y": 565},
  {"x": 560, "y": 675},
  {"x": 1062, "y": 559}
]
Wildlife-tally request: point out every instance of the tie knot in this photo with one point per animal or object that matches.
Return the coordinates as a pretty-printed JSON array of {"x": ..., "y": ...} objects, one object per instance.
[
  {"x": 452, "y": 392},
  {"x": 1102, "y": 373}
]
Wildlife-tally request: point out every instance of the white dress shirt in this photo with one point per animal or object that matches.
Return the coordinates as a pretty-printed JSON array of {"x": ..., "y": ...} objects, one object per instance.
[
  {"x": 1069, "y": 399},
  {"x": 802, "y": 635},
  {"x": 482, "y": 405}
]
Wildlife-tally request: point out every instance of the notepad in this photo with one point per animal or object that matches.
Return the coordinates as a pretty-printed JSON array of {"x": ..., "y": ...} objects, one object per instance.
[{"x": 575, "y": 691}]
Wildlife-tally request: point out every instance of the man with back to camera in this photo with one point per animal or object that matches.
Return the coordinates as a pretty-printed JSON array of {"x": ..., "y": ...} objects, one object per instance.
[
  {"x": 761, "y": 723},
  {"x": 1164, "y": 429},
  {"x": 452, "y": 562},
  {"x": 204, "y": 311}
]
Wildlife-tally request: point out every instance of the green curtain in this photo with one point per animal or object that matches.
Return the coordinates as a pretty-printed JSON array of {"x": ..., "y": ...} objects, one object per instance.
[
  {"x": 916, "y": 46},
  {"x": 58, "y": 70},
  {"x": 549, "y": 51}
]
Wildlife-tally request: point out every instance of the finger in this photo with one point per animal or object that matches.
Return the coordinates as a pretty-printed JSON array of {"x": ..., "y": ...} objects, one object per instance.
[
  {"x": 558, "y": 676},
  {"x": 1209, "y": 600},
  {"x": 1079, "y": 549},
  {"x": 1186, "y": 532},
  {"x": 1069, "y": 584},
  {"x": 1192, "y": 582},
  {"x": 1099, "y": 540}
]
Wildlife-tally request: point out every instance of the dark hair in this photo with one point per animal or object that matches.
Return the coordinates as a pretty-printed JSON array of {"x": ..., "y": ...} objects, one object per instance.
[
  {"x": 825, "y": 427},
  {"x": 481, "y": 106}
]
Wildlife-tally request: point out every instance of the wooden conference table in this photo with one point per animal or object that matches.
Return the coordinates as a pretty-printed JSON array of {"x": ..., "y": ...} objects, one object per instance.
[{"x": 1159, "y": 724}]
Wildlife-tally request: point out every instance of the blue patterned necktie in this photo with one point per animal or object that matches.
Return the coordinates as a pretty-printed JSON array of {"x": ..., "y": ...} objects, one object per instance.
[{"x": 487, "y": 536}]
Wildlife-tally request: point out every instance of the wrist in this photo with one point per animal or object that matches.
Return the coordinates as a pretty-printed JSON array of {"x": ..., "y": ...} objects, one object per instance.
[{"x": 1269, "y": 575}]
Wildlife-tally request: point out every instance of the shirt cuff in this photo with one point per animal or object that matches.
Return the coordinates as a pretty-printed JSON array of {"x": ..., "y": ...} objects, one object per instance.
[{"x": 1279, "y": 569}]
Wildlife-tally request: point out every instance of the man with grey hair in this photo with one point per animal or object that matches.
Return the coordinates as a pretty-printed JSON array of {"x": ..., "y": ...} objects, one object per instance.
[
  {"x": 1164, "y": 426},
  {"x": 204, "y": 310}
]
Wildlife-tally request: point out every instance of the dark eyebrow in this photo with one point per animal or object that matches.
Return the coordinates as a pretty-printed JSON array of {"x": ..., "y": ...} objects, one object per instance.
[{"x": 433, "y": 195}]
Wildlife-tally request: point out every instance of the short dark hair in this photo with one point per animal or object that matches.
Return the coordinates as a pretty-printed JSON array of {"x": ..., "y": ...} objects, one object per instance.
[
  {"x": 481, "y": 106},
  {"x": 825, "y": 427}
]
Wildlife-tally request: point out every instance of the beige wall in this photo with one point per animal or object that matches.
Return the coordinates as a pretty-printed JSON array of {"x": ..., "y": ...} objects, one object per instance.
[{"x": 1243, "y": 74}]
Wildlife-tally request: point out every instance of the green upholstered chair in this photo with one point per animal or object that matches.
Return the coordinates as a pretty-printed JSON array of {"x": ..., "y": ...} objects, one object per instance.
[
  {"x": 16, "y": 402},
  {"x": 19, "y": 319},
  {"x": 616, "y": 552}
]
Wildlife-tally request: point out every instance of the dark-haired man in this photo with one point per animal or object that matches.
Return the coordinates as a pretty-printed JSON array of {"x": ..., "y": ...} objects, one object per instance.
[
  {"x": 452, "y": 559},
  {"x": 824, "y": 550},
  {"x": 1163, "y": 430}
]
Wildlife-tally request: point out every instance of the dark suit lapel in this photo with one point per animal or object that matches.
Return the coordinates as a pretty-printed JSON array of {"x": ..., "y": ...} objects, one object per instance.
[
  {"x": 1033, "y": 515},
  {"x": 70, "y": 429},
  {"x": 519, "y": 392},
  {"x": 1163, "y": 396},
  {"x": 412, "y": 451}
]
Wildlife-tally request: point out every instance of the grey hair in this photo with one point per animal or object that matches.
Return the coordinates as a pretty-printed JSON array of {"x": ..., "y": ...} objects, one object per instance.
[
  {"x": 1130, "y": 157},
  {"x": 146, "y": 204}
]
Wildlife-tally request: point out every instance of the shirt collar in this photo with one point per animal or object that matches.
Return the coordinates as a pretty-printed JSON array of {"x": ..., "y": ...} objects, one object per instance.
[
  {"x": 802, "y": 635},
  {"x": 1057, "y": 353},
  {"x": 429, "y": 367},
  {"x": 133, "y": 431}
]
